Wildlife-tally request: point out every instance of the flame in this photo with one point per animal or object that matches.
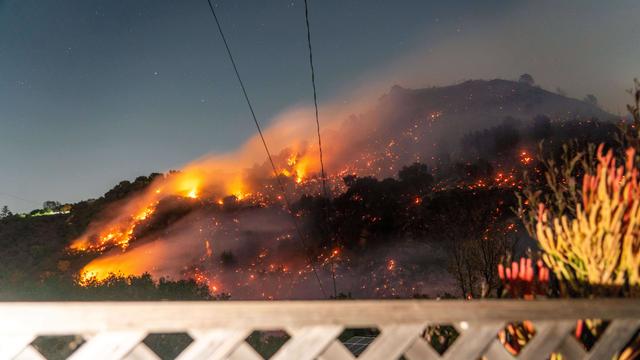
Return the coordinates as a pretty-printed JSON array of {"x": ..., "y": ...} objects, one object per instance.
[
  {"x": 301, "y": 169},
  {"x": 120, "y": 231},
  {"x": 118, "y": 235},
  {"x": 245, "y": 174},
  {"x": 213, "y": 178},
  {"x": 188, "y": 185},
  {"x": 296, "y": 167},
  {"x": 100, "y": 269},
  {"x": 193, "y": 193},
  {"x": 237, "y": 187}
]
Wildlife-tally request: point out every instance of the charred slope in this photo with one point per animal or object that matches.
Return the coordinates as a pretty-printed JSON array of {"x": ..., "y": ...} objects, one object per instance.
[{"x": 421, "y": 124}]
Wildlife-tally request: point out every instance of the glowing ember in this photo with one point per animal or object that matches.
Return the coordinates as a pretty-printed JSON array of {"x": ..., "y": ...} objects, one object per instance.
[
  {"x": 208, "y": 249},
  {"x": 525, "y": 158},
  {"x": 391, "y": 265}
]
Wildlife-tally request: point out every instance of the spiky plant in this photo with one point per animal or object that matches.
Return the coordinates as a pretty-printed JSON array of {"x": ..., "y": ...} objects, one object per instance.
[{"x": 599, "y": 249}]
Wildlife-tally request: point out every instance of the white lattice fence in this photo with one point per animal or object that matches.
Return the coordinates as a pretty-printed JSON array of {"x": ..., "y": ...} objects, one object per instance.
[{"x": 219, "y": 329}]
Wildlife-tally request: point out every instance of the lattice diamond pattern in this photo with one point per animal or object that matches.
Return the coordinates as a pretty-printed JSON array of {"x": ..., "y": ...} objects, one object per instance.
[{"x": 476, "y": 340}]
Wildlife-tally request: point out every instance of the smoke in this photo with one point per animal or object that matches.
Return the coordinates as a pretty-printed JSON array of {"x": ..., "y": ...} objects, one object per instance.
[
  {"x": 250, "y": 249},
  {"x": 583, "y": 47},
  {"x": 365, "y": 135},
  {"x": 376, "y": 138},
  {"x": 254, "y": 253}
]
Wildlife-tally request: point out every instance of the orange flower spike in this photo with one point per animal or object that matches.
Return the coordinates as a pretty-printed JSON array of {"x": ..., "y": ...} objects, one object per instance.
[
  {"x": 541, "y": 212},
  {"x": 529, "y": 272},
  {"x": 543, "y": 275},
  {"x": 529, "y": 326},
  {"x": 514, "y": 269},
  {"x": 631, "y": 154},
  {"x": 608, "y": 159},
  {"x": 632, "y": 185},
  {"x": 502, "y": 336},
  {"x": 628, "y": 193},
  {"x": 620, "y": 173},
  {"x": 503, "y": 339},
  {"x": 599, "y": 152},
  {"x": 511, "y": 349},
  {"x": 579, "y": 327},
  {"x": 611, "y": 175},
  {"x": 522, "y": 269},
  {"x": 617, "y": 181},
  {"x": 501, "y": 271}
]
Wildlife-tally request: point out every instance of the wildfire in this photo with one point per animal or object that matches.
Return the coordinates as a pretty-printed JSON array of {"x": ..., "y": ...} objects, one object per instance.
[
  {"x": 506, "y": 180},
  {"x": 201, "y": 278},
  {"x": 100, "y": 269},
  {"x": 237, "y": 187},
  {"x": 296, "y": 167},
  {"x": 525, "y": 158},
  {"x": 188, "y": 185},
  {"x": 214, "y": 181},
  {"x": 120, "y": 231},
  {"x": 193, "y": 193},
  {"x": 118, "y": 235}
]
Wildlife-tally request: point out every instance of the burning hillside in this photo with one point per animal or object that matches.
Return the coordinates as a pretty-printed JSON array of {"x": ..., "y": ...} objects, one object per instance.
[{"x": 223, "y": 221}]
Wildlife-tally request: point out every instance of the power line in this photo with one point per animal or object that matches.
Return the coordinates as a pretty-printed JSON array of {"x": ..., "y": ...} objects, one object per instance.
[
  {"x": 18, "y": 198},
  {"x": 266, "y": 148},
  {"x": 315, "y": 99},
  {"x": 322, "y": 173}
]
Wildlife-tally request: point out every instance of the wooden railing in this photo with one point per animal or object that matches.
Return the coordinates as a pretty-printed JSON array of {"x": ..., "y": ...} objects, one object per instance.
[{"x": 219, "y": 329}]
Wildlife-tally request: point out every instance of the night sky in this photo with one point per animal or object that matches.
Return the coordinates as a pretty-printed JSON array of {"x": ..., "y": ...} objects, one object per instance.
[{"x": 94, "y": 92}]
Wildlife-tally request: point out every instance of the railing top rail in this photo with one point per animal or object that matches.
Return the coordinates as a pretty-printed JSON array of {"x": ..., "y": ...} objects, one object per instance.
[{"x": 83, "y": 317}]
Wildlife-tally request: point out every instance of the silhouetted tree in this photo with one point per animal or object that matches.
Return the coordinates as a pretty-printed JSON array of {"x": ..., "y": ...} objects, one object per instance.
[
  {"x": 473, "y": 235},
  {"x": 115, "y": 287},
  {"x": 591, "y": 99},
  {"x": 526, "y": 79},
  {"x": 416, "y": 178},
  {"x": 51, "y": 205},
  {"x": 5, "y": 212}
]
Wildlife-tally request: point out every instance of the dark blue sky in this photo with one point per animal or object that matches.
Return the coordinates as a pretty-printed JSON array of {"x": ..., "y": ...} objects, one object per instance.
[{"x": 93, "y": 92}]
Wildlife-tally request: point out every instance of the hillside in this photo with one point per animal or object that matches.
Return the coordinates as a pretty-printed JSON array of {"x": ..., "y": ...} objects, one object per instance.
[
  {"x": 412, "y": 125},
  {"x": 422, "y": 124}
]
